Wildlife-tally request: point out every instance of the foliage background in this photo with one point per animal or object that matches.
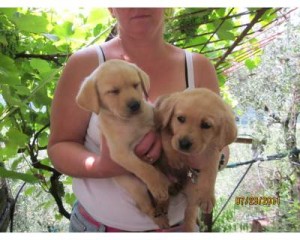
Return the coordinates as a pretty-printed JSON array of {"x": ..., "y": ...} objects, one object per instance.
[{"x": 34, "y": 46}]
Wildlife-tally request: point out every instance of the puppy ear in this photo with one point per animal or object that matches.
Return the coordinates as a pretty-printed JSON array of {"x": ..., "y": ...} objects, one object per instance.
[
  {"x": 164, "y": 108},
  {"x": 145, "y": 81},
  {"x": 88, "y": 97},
  {"x": 228, "y": 132}
]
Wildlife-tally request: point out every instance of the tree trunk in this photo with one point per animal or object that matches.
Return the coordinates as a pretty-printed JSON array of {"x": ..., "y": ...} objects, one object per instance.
[
  {"x": 6, "y": 203},
  {"x": 290, "y": 129}
]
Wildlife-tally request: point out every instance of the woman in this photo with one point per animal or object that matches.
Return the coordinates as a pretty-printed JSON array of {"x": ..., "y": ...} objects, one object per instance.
[{"x": 74, "y": 143}]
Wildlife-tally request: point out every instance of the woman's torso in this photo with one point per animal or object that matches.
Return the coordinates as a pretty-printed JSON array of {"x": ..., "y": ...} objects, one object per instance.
[{"x": 103, "y": 198}]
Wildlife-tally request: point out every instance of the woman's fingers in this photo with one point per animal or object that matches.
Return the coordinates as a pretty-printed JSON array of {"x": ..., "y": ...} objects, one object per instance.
[{"x": 149, "y": 148}]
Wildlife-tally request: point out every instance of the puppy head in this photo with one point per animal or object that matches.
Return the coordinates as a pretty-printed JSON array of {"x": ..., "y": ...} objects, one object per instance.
[
  {"x": 117, "y": 86},
  {"x": 197, "y": 119},
  {"x": 164, "y": 108}
]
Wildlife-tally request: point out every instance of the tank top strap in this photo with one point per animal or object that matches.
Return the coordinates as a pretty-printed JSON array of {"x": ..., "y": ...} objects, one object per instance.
[
  {"x": 189, "y": 69},
  {"x": 100, "y": 53}
]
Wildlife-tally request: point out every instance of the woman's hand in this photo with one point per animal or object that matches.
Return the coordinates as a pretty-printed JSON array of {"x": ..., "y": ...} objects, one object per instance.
[{"x": 149, "y": 149}]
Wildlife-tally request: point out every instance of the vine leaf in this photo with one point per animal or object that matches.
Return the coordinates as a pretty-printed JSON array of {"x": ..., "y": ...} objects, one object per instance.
[
  {"x": 250, "y": 64},
  {"x": 16, "y": 175},
  {"x": 41, "y": 65},
  {"x": 16, "y": 138},
  {"x": 31, "y": 23},
  {"x": 8, "y": 71}
]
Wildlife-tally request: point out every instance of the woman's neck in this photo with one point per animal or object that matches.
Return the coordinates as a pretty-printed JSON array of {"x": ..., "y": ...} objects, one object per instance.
[{"x": 137, "y": 50}]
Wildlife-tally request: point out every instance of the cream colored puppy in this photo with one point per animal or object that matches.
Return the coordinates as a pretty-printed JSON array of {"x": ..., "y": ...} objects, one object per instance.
[
  {"x": 196, "y": 126},
  {"x": 115, "y": 91}
]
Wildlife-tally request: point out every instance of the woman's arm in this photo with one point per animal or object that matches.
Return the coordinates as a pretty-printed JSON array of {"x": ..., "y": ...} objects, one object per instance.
[
  {"x": 69, "y": 124},
  {"x": 206, "y": 77}
]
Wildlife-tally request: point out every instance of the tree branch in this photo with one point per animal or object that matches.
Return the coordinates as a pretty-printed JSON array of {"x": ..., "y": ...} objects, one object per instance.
[
  {"x": 258, "y": 15},
  {"x": 55, "y": 186},
  {"x": 52, "y": 57}
]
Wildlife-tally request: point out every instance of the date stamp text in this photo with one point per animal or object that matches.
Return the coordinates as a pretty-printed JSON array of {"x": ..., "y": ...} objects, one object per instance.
[{"x": 255, "y": 200}]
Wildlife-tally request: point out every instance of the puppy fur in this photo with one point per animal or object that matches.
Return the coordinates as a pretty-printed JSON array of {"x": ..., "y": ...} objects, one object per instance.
[
  {"x": 115, "y": 91},
  {"x": 195, "y": 126}
]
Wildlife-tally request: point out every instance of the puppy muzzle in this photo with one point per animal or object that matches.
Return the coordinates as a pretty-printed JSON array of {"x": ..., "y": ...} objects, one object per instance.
[
  {"x": 185, "y": 144},
  {"x": 134, "y": 106}
]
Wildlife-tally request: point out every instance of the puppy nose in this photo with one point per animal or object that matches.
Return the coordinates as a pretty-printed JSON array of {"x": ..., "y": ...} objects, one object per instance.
[
  {"x": 185, "y": 144},
  {"x": 133, "y": 106}
]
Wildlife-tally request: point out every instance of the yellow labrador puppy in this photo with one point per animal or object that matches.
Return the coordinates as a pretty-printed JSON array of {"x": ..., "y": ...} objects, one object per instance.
[
  {"x": 196, "y": 125},
  {"x": 115, "y": 91}
]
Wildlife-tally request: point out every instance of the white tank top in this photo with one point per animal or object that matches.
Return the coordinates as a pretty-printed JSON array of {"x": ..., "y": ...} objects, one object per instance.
[{"x": 109, "y": 203}]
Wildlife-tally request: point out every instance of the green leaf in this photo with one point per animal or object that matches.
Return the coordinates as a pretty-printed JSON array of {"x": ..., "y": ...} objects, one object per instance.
[
  {"x": 3, "y": 40},
  {"x": 64, "y": 30},
  {"x": 97, "y": 15},
  {"x": 7, "y": 152},
  {"x": 221, "y": 80},
  {"x": 31, "y": 23},
  {"x": 41, "y": 98},
  {"x": 43, "y": 139},
  {"x": 70, "y": 198},
  {"x": 225, "y": 35},
  {"x": 97, "y": 30},
  {"x": 9, "y": 12},
  {"x": 16, "y": 175},
  {"x": 41, "y": 65},
  {"x": 221, "y": 12},
  {"x": 16, "y": 162},
  {"x": 21, "y": 90},
  {"x": 8, "y": 71},
  {"x": 225, "y": 30},
  {"x": 10, "y": 98},
  {"x": 30, "y": 190},
  {"x": 196, "y": 41},
  {"x": 16, "y": 138},
  {"x": 250, "y": 64}
]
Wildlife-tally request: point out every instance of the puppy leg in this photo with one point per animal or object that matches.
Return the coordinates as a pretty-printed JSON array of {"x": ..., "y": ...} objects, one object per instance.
[
  {"x": 190, "y": 217},
  {"x": 139, "y": 192},
  {"x": 161, "y": 214},
  {"x": 156, "y": 182},
  {"x": 206, "y": 189}
]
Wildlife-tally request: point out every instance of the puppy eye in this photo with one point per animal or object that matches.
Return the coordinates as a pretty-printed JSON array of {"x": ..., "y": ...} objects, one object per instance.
[
  {"x": 135, "y": 86},
  {"x": 205, "y": 125},
  {"x": 181, "y": 119},
  {"x": 114, "y": 91}
]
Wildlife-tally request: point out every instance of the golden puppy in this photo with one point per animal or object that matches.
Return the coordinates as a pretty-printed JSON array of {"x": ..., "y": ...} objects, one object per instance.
[
  {"x": 196, "y": 125},
  {"x": 115, "y": 92}
]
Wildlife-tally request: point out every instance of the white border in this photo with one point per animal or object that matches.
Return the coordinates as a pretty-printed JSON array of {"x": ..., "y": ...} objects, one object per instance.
[
  {"x": 148, "y": 236},
  {"x": 151, "y": 3}
]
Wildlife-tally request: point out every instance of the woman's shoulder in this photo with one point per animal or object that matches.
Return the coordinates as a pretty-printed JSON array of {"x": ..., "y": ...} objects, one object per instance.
[
  {"x": 87, "y": 53},
  {"x": 205, "y": 73},
  {"x": 83, "y": 61},
  {"x": 198, "y": 58}
]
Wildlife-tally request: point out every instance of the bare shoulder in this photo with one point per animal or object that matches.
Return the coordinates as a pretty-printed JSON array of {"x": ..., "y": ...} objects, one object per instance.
[
  {"x": 205, "y": 74},
  {"x": 83, "y": 60},
  {"x": 64, "y": 108},
  {"x": 79, "y": 65}
]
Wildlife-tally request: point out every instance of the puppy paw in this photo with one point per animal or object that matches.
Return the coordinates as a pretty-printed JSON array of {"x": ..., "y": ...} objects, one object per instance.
[
  {"x": 161, "y": 209},
  {"x": 187, "y": 227},
  {"x": 160, "y": 188},
  {"x": 207, "y": 204},
  {"x": 162, "y": 222}
]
